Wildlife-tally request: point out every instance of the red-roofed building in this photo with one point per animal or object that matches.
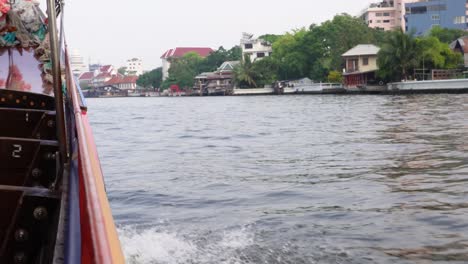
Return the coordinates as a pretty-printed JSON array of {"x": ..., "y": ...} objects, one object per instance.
[
  {"x": 178, "y": 53},
  {"x": 86, "y": 79},
  {"x": 123, "y": 82},
  {"x": 97, "y": 78}
]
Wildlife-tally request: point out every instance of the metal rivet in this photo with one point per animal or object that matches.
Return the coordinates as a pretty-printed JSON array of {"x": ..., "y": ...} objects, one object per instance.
[
  {"x": 50, "y": 123},
  {"x": 50, "y": 156},
  {"x": 40, "y": 213},
  {"x": 20, "y": 258},
  {"x": 21, "y": 235},
  {"x": 36, "y": 173}
]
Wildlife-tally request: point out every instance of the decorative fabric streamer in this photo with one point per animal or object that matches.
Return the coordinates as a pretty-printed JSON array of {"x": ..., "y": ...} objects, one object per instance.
[
  {"x": 4, "y": 8},
  {"x": 22, "y": 25}
]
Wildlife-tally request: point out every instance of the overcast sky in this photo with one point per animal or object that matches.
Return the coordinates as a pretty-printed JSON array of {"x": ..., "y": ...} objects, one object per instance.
[{"x": 112, "y": 31}]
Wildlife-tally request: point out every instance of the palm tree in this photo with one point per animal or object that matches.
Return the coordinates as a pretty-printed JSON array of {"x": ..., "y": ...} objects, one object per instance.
[
  {"x": 245, "y": 73},
  {"x": 398, "y": 56}
]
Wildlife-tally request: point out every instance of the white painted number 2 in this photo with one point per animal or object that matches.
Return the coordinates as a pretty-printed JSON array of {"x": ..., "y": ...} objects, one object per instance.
[{"x": 17, "y": 151}]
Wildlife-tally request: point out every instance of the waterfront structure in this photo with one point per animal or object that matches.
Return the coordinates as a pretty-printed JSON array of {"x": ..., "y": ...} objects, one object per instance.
[
  {"x": 421, "y": 16},
  {"x": 134, "y": 67},
  {"x": 86, "y": 79},
  {"x": 361, "y": 65},
  {"x": 461, "y": 46},
  {"x": 178, "y": 53},
  {"x": 122, "y": 82},
  {"x": 255, "y": 48},
  {"x": 77, "y": 63},
  {"x": 220, "y": 82},
  {"x": 98, "y": 77},
  {"x": 228, "y": 67},
  {"x": 105, "y": 73}
]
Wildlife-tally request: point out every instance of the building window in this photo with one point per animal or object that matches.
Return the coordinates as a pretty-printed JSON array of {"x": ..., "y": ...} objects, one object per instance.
[
  {"x": 418, "y": 10},
  {"x": 386, "y": 14},
  {"x": 260, "y": 55},
  {"x": 459, "y": 20},
  {"x": 248, "y": 46},
  {"x": 378, "y": 14},
  {"x": 365, "y": 61},
  {"x": 437, "y": 8},
  {"x": 386, "y": 21},
  {"x": 435, "y": 17}
]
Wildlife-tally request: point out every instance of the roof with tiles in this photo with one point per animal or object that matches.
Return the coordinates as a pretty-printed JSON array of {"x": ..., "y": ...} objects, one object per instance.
[
  {"x": 181, "y": 51},
  {"x": 86, "y": 76}
]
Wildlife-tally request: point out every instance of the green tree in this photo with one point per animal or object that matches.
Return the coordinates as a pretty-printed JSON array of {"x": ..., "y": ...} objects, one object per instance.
[
  {"x": 335, "y": 37},
  {"x": 234, "y": 54},
  {"x": 446, "y": 35},
  {"x": 122, "y": 70},
  {"x": 316, "y": 51},
  {"x": 218, "y": 57},
  {"x": 272, "y": 38},
  {"x": 398, "y": 56},
  {"x": 183, "y": 70},
  {"x": 265, "y": 71},
  {"x": 290, "y": 54},
  {"x": 436, "y": 54},
  {"x": 151, "y": 79},
  {"x": 335, "y": 77},
  {"x": 244, "y": 73}
]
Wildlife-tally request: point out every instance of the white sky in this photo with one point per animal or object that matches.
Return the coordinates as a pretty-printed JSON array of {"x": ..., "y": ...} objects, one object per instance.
[{"x": 112, "y": 31}]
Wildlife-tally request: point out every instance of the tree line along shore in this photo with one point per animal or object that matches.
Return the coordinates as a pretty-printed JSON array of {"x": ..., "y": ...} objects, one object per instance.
[{"x": 316, "y": 52}]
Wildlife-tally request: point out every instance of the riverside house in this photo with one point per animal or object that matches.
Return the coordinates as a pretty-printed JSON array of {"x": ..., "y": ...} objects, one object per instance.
[
  {"x": 255, "y": 48},
  {"x": 219, "y": 82},
  {"x": 361, "y": 66}
]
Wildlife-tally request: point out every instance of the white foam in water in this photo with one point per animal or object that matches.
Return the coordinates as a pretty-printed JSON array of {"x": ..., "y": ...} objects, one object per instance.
[{"x": 152, "y": 246}]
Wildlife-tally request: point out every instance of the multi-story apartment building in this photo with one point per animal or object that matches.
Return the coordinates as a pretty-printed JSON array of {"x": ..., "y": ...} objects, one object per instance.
[
  {"x": 386, "y": 15},
  {"x": 134, "y": 67},
  {"x": 422, "y": 15}
]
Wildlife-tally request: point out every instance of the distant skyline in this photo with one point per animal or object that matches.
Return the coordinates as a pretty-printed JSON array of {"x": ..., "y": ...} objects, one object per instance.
[{"x": 112, "y": 31}]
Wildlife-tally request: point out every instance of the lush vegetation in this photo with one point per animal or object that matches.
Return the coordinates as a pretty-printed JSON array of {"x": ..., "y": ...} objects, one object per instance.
[
  {"x": 402, "y": 53},
  {"x": 316, "y": 53},
  {"x": 152, "y": 79},
  {"x": 183, "y": 70}
]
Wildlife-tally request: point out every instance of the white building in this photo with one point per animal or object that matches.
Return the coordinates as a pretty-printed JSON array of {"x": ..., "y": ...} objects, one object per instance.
[
  {"x": 135, "y": 67},
  {"x": 77, "y": 63},
  {"x": 255, "y": 49}
]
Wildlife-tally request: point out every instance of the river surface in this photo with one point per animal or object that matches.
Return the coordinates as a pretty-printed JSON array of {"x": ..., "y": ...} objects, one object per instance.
[{"x": 287, "y": 179}]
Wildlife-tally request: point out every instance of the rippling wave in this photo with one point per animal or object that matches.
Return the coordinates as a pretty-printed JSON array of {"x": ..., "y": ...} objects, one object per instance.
[{"x": 289, "y": 179}]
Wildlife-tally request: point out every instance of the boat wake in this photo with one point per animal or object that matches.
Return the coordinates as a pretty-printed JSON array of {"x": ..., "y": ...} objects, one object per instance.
[{"x": 153, "y": 246}]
